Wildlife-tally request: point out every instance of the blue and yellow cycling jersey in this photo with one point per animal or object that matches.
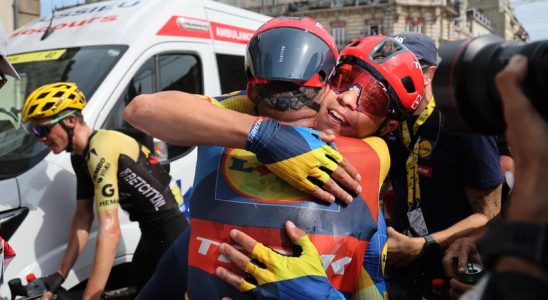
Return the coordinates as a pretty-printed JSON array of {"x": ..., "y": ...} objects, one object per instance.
[{"x": 233, "y": 190}]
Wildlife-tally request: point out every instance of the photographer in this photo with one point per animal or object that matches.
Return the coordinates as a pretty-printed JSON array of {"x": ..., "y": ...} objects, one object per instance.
[{"x": 515, "y": 276}]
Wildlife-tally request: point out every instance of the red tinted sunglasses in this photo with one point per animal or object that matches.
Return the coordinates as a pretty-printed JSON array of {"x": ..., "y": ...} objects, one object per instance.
[{"x": 372, "y": 99}]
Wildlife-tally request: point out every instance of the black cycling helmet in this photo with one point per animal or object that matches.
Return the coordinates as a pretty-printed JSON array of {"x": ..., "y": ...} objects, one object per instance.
[{"x": 296, "y": 50}]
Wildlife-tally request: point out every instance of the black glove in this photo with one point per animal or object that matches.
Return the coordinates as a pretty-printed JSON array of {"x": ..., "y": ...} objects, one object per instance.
[{"x": 53, "y": 282}]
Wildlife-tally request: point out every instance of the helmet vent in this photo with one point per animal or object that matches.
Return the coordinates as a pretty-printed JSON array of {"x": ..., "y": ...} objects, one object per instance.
[
  {"x": 386, "y": 50},
  {"x": 48, "y": 106},
  {"x": 43, "y": 95},
  {"x": 408, "y": 84},
  {"x": 58, "y": 94},
  {"x": 32, "y": 109},
  {"x": 72, "y": 96}
]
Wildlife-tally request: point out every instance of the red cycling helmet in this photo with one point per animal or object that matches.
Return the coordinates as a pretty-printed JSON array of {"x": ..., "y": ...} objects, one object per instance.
[
  {"x": 396, "y": 68},
  {"x": 297, "y": 50}
]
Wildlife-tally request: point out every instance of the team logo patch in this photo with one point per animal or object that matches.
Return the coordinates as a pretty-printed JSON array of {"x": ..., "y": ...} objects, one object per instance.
[
  {"x": 244, "y": 179},
  {"x": 425, "y": 148},
  {"x": 425, "y": 171},
  {"x": 107, "y": 190},
  {"x": 252, "y": 179}
]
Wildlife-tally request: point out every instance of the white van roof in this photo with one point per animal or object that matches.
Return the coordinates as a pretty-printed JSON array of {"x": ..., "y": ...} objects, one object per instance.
[{"x": 125, "y": 22}]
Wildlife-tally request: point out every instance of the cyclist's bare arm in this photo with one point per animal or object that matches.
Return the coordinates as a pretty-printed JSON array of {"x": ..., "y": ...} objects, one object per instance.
[
  {"x": 187, "y": 120},
  {"x": 78, "y": 236},
  {"x": 107, "y": 242},
  {"x": 81, "y": 222}
]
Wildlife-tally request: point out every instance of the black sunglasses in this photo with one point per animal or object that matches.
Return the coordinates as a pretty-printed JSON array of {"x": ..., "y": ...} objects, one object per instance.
[{"x": 41, "y": 131}]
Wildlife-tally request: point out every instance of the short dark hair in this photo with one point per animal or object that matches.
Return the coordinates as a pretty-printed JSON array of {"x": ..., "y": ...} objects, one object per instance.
[{"x": 282, "y": 95}]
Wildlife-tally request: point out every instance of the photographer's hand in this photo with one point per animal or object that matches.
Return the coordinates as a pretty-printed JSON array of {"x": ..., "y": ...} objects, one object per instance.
[{"x": 527, "y": 135}]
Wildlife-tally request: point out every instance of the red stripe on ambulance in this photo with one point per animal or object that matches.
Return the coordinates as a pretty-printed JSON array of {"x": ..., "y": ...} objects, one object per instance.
[
  {"x": 200, "y": 28},
  {"x": 175, "y": 27},
  {"x": 227, "y": 33}
]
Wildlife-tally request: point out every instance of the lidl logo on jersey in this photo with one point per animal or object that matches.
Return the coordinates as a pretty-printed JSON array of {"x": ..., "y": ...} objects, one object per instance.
[{"x": 244, "y": 179}]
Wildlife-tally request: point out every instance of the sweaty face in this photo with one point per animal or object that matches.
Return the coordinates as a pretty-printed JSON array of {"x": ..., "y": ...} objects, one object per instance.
[{"x": 355, "y": 104}]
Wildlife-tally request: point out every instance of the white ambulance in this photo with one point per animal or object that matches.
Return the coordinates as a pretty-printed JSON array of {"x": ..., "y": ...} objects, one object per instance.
[{"x": 114, "y": 51}]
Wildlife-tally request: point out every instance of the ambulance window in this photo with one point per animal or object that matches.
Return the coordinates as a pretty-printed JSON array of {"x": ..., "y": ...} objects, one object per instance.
[
  {"x": 231, "y": 72},
  {"x": 174, "y": 71},
  {"x": 144, "y": 82},
  {"x": 181, "y": 72}
]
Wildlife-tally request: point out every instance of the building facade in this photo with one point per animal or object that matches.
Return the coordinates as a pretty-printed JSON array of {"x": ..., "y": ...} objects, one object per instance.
[
  {"x": 502, "y": 17},
  {"x": 16, "y": 13},
  {"x": 443, "y": 20}
]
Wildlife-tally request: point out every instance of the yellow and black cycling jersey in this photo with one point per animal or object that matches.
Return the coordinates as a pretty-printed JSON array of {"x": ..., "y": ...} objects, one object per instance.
[{"x": 116, "y": 169}]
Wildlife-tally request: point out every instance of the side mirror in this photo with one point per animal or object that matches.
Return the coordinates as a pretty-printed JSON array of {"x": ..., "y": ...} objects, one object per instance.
[{"x": 161, "y": 151}]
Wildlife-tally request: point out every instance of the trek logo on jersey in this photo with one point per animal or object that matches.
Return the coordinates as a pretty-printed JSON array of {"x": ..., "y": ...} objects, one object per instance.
[
  {"x": 153, "y": 195},
  {"x": 209, "y": 247},
  {"x": 341, "y": 256}
]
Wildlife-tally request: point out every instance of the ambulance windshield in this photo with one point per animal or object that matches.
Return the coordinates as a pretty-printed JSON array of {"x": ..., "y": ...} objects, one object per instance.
[{"x": 86, "y": 66}]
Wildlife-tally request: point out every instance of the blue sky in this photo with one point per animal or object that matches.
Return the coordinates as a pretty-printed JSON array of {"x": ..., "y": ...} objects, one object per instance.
[
  {"x": 47, "y": 5},
  {"x": 533, "y": 14},
  {"x": 534, "y": 17}
]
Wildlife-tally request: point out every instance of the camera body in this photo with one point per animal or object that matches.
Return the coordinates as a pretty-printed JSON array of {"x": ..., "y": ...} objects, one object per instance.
[{"x": 464, "y": 85}]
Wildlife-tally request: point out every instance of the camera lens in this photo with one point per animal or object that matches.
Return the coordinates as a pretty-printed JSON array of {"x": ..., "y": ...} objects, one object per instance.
[{"x": 464, "y": 85}]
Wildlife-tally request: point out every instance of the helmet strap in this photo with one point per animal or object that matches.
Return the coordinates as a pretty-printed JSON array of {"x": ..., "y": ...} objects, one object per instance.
[{"x": 70, "y": 135}]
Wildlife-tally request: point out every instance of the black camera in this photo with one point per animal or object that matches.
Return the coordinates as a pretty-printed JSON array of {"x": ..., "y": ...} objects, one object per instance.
[{"x": 464, "y": 85}]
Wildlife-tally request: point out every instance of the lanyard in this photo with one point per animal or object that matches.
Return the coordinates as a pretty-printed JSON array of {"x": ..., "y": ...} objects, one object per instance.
[{"x": 412, "y": 164}]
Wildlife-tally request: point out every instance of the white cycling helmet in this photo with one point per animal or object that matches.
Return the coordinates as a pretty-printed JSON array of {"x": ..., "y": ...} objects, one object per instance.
[{"x": 5, "y": 67}]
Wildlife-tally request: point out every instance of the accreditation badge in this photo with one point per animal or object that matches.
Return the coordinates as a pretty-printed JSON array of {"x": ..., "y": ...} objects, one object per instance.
[{"x": 416, "y": 220}]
